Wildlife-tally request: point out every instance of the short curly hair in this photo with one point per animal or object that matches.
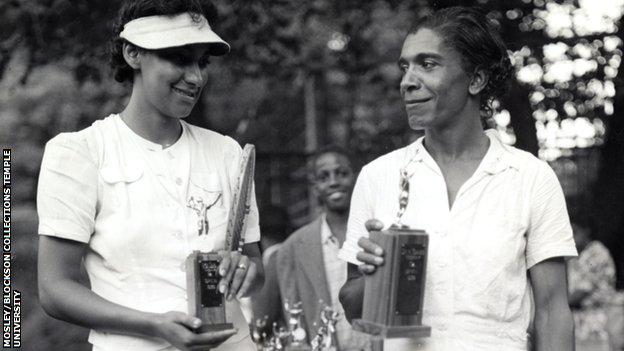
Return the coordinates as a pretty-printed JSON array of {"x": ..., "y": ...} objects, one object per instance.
[
  {"x": 481, "y": 47},
  {"x": 132, "y": 9}
]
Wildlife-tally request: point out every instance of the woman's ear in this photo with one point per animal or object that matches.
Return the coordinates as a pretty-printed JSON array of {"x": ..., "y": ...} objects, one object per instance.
[
  {"x": 478, "y": 81},
  {"x": 132, "y": 55}
]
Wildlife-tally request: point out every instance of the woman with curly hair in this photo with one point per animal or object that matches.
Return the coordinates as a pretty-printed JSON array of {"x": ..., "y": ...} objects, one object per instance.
[
  {"x": 496, "y": 216},
  {"x": 131, "y": 196}
]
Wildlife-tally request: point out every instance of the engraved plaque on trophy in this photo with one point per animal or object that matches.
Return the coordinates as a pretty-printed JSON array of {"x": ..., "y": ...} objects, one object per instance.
[
  {"x": 202, "y": 268},
  {"x": 394, "y": 293},
  {"x": 204, "y": 299}
]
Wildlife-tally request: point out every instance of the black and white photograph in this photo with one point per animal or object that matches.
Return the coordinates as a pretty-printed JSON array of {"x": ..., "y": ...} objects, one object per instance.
[{"x": 312, "y": 175}]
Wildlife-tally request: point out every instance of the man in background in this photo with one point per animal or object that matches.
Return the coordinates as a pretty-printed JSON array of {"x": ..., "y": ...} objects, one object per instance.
[{"x": 306, "y": 267}]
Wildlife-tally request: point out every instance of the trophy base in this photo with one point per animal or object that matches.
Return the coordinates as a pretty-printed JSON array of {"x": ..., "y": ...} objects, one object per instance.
[
  {"x": 214, "y": 327},
  {"x": 391, "y": 331},
  {"x": 302, "y": 347}
]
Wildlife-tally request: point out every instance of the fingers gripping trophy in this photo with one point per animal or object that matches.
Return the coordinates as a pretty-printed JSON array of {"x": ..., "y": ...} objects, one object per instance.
[
  {"x": 205, "y": 301},
  {"x": 394, "y": 293}
]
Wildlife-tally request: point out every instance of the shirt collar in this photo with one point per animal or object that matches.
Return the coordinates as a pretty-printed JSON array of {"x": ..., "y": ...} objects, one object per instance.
[
  {"x": 147, "y": 143},
  {"x": 499, "y": 156},
  {"x": 326, "y": 233},
  {"x": 497, "y": 159}
]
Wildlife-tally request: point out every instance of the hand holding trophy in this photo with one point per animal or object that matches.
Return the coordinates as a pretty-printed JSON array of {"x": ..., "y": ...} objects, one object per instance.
[
  {"x": 212, "y": 277},
  {"x": 394, "y": 262}
]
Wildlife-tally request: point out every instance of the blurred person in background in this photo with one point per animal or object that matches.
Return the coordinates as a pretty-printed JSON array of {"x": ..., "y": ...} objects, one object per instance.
[
  {"x": 591, "y": 279},
  {"x": 131, "y": 196},
  {"x": 306, "y": 269},
  {"x": 496, "y": 216}
]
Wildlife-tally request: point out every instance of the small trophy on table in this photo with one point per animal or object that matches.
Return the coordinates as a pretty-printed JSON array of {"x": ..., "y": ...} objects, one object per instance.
[
  {"x": 393, "y": 294},
  {"x": 202, "y": 268},
  {"x": 325, "y": 335},
  {"x": 297, "y": 333}
]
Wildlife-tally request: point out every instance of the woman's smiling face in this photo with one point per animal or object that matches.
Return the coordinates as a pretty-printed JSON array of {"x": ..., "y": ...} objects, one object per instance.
[
  {"x": 434, "y": 85},
  {"x": 173, "y": 78}
]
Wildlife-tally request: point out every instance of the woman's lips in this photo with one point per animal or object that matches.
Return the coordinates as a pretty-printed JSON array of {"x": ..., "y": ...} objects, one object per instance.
[
  {"x": 416, "y": 101},
  {"x": 186, "y": 93}
]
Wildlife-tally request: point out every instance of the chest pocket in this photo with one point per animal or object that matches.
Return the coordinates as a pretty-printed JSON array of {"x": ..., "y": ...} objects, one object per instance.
[
  {"x": 116, "y": 184},
  {"x": 206, "y": 189}
]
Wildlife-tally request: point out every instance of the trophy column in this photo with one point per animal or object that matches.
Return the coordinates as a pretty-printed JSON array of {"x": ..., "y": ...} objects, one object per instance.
[
  {"x": 204, "y": 299},
  {"x": 393, "y": 295}
]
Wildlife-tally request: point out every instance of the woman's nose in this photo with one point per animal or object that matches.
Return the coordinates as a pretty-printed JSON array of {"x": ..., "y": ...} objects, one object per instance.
[
  {"x": 194, "y": 74},
  {"x": 410, "y": 81}
]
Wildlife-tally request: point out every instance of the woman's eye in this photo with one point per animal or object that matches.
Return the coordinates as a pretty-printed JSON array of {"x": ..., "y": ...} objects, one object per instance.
[
  {"x": 204, "y": 62},
  {"x": 183, "y": 60},
  {"x": 428, "y": 64}
]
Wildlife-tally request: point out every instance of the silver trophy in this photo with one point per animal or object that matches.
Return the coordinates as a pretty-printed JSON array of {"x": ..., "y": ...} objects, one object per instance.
[
  {"x": 297, "y": 333},
  {"x": 325, "y": 334}
]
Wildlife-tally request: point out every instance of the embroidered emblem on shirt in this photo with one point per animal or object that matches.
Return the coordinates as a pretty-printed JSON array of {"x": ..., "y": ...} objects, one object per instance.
[{"x": 202, "y": 212}]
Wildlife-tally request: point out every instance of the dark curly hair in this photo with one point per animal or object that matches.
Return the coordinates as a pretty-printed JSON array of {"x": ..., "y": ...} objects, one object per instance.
[
  {"x": 132, "y": 9},
  {"x": 473, "y": 36}
]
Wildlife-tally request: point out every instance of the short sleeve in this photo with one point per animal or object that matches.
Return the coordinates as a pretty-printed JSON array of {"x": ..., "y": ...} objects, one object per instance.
[
  {"x": 67, "y": 189},
  {"x": 549, "y": 233},
  {"x": 361, "y": 210},
  {"x": 252, "y": 234}
]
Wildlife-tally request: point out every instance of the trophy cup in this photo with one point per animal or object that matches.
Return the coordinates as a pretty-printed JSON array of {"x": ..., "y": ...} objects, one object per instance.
[
  {"x": 202, "y": 268},
  {"x": 393, "y": 294},
  {"x": 297, "y": 333}
]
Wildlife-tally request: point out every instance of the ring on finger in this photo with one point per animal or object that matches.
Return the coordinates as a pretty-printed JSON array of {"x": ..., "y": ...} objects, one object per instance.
[{"x": 241, "y": 266}]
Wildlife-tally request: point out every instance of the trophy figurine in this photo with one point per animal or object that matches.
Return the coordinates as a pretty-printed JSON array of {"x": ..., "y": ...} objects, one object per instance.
[
  {"x": 393, "y": 294},
  {"x": 202, "y": 268},
  {"x": 323, "y": 340},
  {"x": 258, "y": 333}
]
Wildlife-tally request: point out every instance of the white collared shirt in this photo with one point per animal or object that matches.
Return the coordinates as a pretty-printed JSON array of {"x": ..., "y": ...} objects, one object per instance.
[
  {"x": 508, "y": 216},
  {"x": 127, "y": 198},
  {"x": 336, "y": 273}
]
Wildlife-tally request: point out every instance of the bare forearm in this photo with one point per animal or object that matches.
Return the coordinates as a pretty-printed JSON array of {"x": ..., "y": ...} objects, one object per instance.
[
  {"x": 554, "y": 329},
  {"x": 352, "y": 297},
  {"x": 73, "y": 302}
]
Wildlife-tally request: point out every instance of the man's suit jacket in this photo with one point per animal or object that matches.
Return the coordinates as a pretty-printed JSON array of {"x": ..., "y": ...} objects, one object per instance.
[{"x": 300, "y": 271}]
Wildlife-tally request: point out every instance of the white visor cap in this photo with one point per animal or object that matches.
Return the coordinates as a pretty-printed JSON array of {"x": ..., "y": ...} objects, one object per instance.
[{"x": 161, "y": 32}]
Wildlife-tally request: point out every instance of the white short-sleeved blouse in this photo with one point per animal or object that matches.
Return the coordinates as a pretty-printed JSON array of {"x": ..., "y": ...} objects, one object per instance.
[
  {"x": 127, "y": 198},
  {"x": 507, "y": 217}
]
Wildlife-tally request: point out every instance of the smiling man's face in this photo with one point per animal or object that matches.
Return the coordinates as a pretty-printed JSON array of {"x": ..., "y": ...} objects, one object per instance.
[{"x": 333, "y": 181}]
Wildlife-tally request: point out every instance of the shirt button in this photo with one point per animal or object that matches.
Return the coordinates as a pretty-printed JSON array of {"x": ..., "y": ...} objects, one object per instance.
[
  {"x": 178, "y": 181},
  {"x": 443, "y": 327},
  {"x": 183, "y": 266},
  {"x": 170, "y": 155}
]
